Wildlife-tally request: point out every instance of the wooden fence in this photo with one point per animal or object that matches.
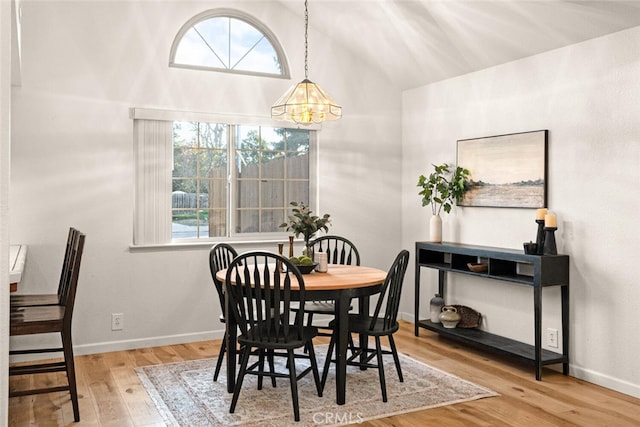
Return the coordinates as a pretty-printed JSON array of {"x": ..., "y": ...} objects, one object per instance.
[{"x": 248, "y": 192}]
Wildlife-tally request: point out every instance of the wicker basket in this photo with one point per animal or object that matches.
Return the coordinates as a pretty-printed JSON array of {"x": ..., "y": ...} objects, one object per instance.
[{"x": 469, "y": 318}]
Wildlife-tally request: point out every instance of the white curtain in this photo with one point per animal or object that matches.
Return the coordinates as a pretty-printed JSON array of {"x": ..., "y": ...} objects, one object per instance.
[{"x": 153, "y": 156}]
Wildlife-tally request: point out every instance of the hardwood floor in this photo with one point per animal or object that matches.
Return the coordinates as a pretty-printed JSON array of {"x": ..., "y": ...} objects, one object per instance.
[{"x": 111, "y": 395}]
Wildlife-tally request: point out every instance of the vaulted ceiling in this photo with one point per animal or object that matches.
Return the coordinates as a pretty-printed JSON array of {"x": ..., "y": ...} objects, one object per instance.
[{"x": 416, "y": 42}]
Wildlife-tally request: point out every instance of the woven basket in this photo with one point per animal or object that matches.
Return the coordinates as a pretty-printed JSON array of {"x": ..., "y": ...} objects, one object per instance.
[{"x": 469, "y": 318}]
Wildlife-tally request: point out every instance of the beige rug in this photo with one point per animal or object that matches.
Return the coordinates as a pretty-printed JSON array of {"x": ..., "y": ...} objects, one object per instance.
[{"x": 186, "y": 395}]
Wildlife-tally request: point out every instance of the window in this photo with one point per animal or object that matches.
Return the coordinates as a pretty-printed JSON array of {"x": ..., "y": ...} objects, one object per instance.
[
  {"x": 271, "y": 169},
  {"x": 268, "y": 168},
  {"x": 202, "y": 179},
  {"x": 231, "y": 41}
]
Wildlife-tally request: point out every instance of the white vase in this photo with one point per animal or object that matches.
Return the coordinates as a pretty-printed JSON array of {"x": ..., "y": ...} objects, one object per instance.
[{"x": 435, "y": 229}]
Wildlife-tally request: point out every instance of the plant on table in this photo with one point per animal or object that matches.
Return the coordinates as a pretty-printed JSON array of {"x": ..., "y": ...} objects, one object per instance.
[
  {"x": 303, "y": 222},
  {"x": 443, "y": 187},
  {"x": 440, "y": 190}
]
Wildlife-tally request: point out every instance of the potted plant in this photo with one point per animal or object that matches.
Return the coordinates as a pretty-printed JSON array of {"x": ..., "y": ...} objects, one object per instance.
[
  {"x": 441, "y": 189},
  {"x": 303, "y": 222}
]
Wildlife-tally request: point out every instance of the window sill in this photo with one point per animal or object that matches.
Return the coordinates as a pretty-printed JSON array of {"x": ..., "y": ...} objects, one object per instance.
[{"x": 271, "y": 243}]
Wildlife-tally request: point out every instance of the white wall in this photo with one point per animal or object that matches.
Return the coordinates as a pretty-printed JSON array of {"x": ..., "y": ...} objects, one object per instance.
[
  {"x": 588, "y": 96},
  {"x": 84, "y": 65},
  {"x": 5, "y": 138}
]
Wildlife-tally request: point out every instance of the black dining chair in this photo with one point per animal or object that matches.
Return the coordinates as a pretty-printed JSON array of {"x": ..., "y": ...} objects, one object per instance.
[
  {"x": 341, "y": 251},
  {"x": 48, "y": 319},
  {"x": 260, "y": 287},
  {"x": 383, "y": 322},
  {"x": 220, "y": 256}
]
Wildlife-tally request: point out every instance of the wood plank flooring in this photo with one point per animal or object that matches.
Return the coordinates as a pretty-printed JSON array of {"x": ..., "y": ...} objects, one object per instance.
[{"x": 111, "y": 395}]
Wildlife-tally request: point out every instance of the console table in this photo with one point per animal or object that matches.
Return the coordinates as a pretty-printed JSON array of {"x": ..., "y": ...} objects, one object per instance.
[{"x": 510, "y": 267}]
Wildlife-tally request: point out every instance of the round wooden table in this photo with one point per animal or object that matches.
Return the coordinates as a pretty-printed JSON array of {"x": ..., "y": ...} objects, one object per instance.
[{"x": 340, "y": 283}]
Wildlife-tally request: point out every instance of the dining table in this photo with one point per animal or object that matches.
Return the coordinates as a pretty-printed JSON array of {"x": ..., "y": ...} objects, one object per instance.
[{"x": 342, "y": 284}]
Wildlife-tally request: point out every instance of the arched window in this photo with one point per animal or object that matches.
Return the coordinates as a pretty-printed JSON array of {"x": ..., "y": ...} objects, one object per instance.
[{"x": 231, "y": 41}]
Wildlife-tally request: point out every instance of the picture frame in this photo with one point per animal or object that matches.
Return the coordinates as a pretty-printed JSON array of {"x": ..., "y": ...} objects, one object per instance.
[{"x": 506, "y": 171}]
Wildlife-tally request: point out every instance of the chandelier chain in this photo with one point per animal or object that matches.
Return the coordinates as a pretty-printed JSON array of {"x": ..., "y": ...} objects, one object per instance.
[{"x": 306, "y": 38}]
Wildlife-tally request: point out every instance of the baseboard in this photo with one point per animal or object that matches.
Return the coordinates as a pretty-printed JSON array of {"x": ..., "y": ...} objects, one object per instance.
[
  {"x": 409, "y": 317},
  {"x": 606, "y": 381},
  {"x": 105, "y": 347},
  {"x": 109, "y": 346}
]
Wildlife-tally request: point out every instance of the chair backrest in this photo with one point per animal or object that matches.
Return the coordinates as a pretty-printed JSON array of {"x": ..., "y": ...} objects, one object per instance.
[
  {"x": 220, "y": 256},
  {"x": 339, "y": 250},
  {"x": 74, "y": 271},
  {"x": 389, "y": 298},
  {"x": 65, "y": 277},
  {"x": 260, "y": 297}
]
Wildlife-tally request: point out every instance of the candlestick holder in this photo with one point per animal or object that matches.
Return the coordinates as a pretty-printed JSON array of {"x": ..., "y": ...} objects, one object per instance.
[
  {"x": 550, "y": 241},
  {"x": 540, "y": 237},
  {"x": 290, "y": 246},
  {"x": 279, "y": 263}
]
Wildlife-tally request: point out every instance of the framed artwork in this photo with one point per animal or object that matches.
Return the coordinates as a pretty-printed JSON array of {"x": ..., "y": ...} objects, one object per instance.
[{"x": 506, "y": 171}]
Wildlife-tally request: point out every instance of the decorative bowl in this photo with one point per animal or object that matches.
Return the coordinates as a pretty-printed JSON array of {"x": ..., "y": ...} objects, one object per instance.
[
  {"x": 449, "y": 316},
  {"x": 478, "y": 268},
  {"x": 306, "y": 269}
]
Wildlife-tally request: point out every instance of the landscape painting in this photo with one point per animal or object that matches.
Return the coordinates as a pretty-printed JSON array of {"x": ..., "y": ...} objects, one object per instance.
[{"x": 505, "y": 170}]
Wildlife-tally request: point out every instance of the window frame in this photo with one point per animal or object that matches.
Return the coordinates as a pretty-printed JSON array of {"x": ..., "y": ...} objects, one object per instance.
[
  {"x": 157, "y": 235},
  {"x": 235, "y": 14}
]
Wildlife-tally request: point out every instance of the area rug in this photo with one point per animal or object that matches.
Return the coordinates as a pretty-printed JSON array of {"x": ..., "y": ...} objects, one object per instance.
[{"x": 186, "y": 395}]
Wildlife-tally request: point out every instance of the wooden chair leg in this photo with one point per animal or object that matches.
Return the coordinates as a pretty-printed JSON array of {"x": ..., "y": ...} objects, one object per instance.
[
  {"x": 241, "y": 373},
  {"x": 261, "y": 365},
  {"x": 71, "y": 373},
  {"x": 309, "y": 319},
  {"x": 314, "y": 367},
  {"x": 383, "y": 385},
  {"x": 309, "y": 323},
  {"x": 327, "y": 362},
  {"x": 293, "y": 380},
  {"x": 67, "y": 366},
  {"x": 272, "y": 366},
  {"x": 351, "y": 344},
  {"x": 396, "y": 359},
  {"x": 223, "y": 350}
]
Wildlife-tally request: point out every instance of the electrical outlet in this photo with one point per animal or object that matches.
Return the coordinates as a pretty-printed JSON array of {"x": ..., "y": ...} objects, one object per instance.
[
  {"x": 117, "y": 321},
  {"x": 552, "y": 338}
]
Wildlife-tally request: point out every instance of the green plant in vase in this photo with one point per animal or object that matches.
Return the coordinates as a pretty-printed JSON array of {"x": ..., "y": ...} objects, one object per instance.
[
  {"x": 303, "y": 222},
  {"x": 440, "y": 190}
]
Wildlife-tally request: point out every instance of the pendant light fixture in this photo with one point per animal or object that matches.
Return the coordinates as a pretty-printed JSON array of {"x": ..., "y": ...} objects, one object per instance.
[{"x": 306, "y": 103}]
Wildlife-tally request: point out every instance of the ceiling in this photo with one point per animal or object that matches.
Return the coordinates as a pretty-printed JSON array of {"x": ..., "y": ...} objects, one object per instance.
[{"x": 416, "y": 42}]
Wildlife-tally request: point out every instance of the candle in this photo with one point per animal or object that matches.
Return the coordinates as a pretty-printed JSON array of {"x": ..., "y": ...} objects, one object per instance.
[
  {"x": 550, "y": 221},
  {"x": 540, "y": 213}
]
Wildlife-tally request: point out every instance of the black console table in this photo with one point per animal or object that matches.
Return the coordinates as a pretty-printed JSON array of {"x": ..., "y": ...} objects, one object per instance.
[{"x": 509, "y": 266}]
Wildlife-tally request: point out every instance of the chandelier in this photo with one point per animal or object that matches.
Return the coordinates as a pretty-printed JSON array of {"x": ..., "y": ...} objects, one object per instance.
[{"x": 306, "y": 103}]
